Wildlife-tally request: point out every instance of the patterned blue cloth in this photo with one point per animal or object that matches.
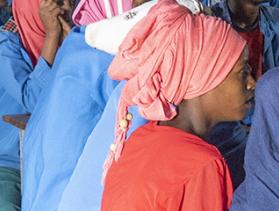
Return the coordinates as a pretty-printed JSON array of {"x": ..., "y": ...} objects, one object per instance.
[
  {"x": 66, "y": 113},
  {"x": 20, "y": 86},
  {"x": 260, "y": 189}
]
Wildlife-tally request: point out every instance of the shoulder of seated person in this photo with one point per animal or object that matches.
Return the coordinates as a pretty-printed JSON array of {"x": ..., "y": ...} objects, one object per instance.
[
  {"x": 9, "y": 37},
  {"x": 273, "y": 13}
]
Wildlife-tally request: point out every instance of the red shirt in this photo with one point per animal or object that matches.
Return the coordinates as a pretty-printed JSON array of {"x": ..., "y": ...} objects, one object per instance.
[
  {"x": 164, "y": 168},
  {"x": 255, "y": 42}
]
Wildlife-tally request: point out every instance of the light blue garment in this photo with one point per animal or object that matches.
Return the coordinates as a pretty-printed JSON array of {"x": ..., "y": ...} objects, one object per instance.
[
  {"x": 62, "y": 121},
  {"x": 260, "y": 189},
  {"x": 20, "y": 85},
  {"x": 84, "y": 190}
]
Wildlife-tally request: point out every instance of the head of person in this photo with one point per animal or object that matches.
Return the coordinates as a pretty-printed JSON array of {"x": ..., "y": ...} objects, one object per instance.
[
  {"x": 245, "y": 11},
  {"x": 172, "y": 57},
  {"x": 30, "y": 26}
]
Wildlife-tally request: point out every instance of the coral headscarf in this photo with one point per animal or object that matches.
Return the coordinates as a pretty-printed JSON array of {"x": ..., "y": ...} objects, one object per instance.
[
  {"x": 169, "y": 56},
  {"x": 30, "y": 27},
  {"x": 90, "y": 11}
]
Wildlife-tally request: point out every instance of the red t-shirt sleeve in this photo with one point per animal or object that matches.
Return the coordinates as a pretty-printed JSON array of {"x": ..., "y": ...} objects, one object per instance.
[{"x": 209, "y": 189}]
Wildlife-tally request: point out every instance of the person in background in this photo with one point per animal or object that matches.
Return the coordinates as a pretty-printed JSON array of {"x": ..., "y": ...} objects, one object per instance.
[
  {"x": 67, "y": 110},
  {"x": 175, "y": 82},
  {"x": 258, "y": 25},
  {"x": 5, "y": 11},
  {"x": 28, "y": 44},
  {"x": 260, "y": 189}
]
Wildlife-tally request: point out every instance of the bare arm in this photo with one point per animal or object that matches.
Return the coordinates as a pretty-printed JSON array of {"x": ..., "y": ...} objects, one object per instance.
[{"x": 55, "y": 27}]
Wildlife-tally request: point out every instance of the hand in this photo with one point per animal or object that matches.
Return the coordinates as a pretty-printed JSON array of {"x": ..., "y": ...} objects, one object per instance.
[
  {"x": 66, "y": 28},
  {"x": 65, "y": 20},
  {"x": 67, "y": 5},
  {"x": 49, "y": 12}
]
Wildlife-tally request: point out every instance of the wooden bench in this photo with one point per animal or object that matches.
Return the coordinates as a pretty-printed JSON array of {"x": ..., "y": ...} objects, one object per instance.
[{"x": 19, "y": 121}]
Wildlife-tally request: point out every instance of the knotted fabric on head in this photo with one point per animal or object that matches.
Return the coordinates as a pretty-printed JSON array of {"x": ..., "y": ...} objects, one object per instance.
[
  {"x": 30, "y": 27},
  {"x": 90, "y": 11},
  {"x": 169, "y": 56}
]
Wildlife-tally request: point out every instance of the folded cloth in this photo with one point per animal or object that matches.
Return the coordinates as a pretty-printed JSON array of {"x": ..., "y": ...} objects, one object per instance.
[{"x": 98, "y": 35}]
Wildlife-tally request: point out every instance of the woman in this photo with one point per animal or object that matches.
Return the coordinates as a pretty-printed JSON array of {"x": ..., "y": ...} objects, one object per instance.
[
  {"x": 88, "y": 172},
  {"x": 181, "y": 79},
  {"x": 260, "y": 189},
  {"x": 27, "y": 48}
]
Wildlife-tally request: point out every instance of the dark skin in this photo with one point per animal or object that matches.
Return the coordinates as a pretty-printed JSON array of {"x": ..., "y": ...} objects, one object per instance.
[
  {"x": 56, "y": 27},
  {"x": 229, "y": 101},
  {"x": 245, "y": 13}
]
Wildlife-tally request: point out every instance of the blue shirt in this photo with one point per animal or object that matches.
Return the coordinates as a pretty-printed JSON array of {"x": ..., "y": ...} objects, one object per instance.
[
  {"x": 64, "y": 117},
  {"x": 20, "y": 85},
  {"x": 84, "y": 191}
]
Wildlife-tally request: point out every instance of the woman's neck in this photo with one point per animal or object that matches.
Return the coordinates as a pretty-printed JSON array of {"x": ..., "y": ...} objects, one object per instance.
[{"x": 191, "y": 120}]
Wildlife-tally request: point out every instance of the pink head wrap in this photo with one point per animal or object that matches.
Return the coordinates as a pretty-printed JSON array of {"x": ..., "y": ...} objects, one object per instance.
[
  {"x": 90, "y": 11},
  {"x": 169, "y": 56},
  {"x": 30, "y": 27}
]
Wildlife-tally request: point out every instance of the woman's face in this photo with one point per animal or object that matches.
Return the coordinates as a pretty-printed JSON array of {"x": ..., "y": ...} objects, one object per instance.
[{"x": 232, "y": 98}]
